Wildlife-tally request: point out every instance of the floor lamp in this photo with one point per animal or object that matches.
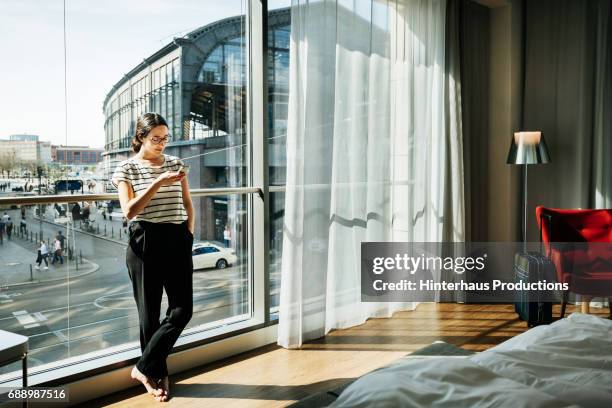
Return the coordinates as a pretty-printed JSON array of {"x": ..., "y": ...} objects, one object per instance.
[{"x": 527, "y": 148}]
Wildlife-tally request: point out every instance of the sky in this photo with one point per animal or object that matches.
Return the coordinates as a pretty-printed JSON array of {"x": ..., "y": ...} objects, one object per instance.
[{"x": 104, "y": 40}]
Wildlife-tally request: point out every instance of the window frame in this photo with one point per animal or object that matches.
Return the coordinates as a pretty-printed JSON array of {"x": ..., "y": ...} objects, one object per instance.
[{"x": 256, "y": 40}]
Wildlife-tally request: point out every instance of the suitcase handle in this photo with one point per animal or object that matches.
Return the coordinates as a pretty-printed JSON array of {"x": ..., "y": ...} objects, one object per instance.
[{"x": 549, "y": 216}]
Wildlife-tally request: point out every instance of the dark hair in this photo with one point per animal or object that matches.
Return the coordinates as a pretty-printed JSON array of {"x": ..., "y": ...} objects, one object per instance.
[{"x": 145, "y": 123}]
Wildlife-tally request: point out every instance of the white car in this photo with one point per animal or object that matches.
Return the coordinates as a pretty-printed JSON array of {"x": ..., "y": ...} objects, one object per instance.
[{"x": 208, "y": 255}]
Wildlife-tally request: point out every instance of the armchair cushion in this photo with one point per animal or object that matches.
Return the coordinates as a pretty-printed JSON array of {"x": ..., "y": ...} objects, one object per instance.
[{"x": 581, "y": 247}]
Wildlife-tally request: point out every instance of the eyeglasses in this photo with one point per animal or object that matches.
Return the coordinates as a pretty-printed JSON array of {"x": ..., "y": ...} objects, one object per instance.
[{"x": 158, "y": 140}]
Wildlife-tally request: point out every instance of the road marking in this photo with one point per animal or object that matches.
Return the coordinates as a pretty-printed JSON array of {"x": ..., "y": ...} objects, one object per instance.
[
  {"x": 57, "y": 308},
  {"x": 24, "y": 319},
  {"x": 28, "y": 320},
  {"x": 131, "y": 315},
  {"x": 117, "y": 297},
  {"x": 61, "y": 335},
  {"x": 39, "y": 316},
  {"x": 5, "y": 299}
]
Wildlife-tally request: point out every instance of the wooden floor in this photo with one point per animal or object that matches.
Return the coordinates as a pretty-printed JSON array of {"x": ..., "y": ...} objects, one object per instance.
[{"x": 272, "y": 376}]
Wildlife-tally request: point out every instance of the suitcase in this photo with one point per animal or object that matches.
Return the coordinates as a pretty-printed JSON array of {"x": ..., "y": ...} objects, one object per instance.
[{"x": 531, "y": 267}]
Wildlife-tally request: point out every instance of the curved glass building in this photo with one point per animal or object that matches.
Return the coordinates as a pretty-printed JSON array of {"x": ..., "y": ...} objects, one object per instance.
[{"x": 198, "y": 84}]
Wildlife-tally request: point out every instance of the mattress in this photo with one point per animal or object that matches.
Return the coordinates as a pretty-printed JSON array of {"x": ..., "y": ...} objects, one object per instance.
[{"x": 564, "y": 364}]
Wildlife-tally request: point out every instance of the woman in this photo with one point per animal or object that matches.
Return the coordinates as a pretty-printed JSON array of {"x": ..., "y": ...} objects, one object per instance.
[
  {"x": 43, "y": 253},
  {"x": 57, "y": 252},
  {"x": 154, "y": 196}
]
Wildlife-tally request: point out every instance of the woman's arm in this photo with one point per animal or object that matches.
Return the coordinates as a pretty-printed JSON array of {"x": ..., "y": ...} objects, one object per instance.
[
  {"x": 132, "y": 205},
  {"x": 188, "y": 204}
]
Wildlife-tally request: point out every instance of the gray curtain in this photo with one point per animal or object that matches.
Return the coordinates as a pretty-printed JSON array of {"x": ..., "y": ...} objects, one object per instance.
[
  {"x": 568, "y": 95},
  {"x": 468, "y": 46}
]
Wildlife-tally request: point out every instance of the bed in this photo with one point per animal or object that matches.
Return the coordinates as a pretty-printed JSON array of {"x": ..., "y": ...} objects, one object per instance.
[{"x": 564, "y": 364}]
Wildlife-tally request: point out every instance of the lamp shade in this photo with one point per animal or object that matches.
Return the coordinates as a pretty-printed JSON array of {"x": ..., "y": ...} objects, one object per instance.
[{"x": 528, "y": 148}]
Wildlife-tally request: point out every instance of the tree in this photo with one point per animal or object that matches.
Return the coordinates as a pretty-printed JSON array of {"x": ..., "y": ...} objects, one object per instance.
[{"x": 8, "y": 162}]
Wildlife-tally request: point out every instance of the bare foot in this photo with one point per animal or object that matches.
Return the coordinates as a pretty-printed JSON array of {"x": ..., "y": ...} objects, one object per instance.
[
  {"x": 149, "y": 385},
  {"x": 164, "y": 384}
]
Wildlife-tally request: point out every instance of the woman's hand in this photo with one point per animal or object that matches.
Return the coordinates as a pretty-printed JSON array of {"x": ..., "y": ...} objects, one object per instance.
[{"x": 169, "y": 177}]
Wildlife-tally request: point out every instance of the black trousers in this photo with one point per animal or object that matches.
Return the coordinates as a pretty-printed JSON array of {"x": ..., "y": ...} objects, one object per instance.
[{"x": 158, "y": 258}]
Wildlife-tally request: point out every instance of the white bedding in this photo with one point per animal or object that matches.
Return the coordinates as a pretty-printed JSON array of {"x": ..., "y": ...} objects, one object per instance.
[{"x": 567, "y": 363}]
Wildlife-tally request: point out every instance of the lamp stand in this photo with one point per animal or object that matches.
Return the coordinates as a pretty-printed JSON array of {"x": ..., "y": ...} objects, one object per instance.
[{"x": 525, "y": 208}]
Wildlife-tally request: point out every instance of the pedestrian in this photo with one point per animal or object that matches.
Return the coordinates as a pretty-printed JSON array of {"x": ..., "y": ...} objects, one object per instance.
[
  {"x": 154, "y": 196},
  {"x": 57, "y": 252},
  {"x": 9, "y": 228},
  {"x": 76, "y": 212},
  {"x": 43, "y": 253},
  {"x": 227, "y": 236},
  {"x": 2, "y": 227},
  {"x": 23, "y": 212},
  {"x": 86, "y": 212},
  {"x": 61, "y": 239},
  {"x": 5, "y": 217},
  {"x": 23, "y": 226}
]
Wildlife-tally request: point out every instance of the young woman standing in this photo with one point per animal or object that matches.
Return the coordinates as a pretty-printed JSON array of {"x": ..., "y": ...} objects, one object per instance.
[{"x": 154, "y": 196}]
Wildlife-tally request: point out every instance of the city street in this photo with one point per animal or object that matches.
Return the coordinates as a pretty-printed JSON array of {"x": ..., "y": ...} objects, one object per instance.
[{"x": 87, "y": 314}]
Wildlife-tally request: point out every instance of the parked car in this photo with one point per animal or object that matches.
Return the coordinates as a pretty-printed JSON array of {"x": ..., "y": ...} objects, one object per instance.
[{"x": 208, "y": 255}]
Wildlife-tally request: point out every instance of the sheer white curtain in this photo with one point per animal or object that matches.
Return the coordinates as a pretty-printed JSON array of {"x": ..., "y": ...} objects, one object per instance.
[{"x": 369, "y": 152}]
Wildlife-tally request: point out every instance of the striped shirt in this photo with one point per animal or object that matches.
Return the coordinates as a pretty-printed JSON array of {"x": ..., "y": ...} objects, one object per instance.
[{"x": 167, "y": 204}]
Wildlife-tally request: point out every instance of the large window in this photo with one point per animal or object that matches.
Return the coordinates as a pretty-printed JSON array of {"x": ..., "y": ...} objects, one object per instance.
[
  {"x": 189, "y": 63},
  {"x": 279, "y": 29}
]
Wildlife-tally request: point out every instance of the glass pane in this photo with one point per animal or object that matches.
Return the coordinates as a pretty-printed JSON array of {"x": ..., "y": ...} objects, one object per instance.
[
  {"x": 83, "y": 302},
  {"x": 277, "y": 212},
  {"x": 221, "y": 278},
  {"x": 61, "y": 297},
  {"x": 217, "y": 114},
  {"x": 279, "y": 28},
  {"x": 101, "y": 313}
]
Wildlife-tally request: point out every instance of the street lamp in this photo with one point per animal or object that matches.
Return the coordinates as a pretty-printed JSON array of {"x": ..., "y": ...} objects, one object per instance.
[{"x": 39, "y": 172}]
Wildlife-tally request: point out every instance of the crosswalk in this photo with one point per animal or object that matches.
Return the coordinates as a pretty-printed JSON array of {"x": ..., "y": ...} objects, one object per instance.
[{"x": 29, "y": 320}]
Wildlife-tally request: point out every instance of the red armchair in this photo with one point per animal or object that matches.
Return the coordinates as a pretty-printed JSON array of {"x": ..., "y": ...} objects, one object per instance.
[{"x": 581, "y": 251}]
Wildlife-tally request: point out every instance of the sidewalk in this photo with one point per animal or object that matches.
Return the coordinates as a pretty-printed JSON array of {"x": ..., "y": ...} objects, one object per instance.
[
  {"x": 111, "y": 234},
  {"x": 105, "y": 229},
  {"x": 17, "y": 266}
]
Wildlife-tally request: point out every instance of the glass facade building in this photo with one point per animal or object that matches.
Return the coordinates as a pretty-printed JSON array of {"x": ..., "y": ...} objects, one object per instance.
[
  {"x": 76, "y": 155},
  {"x": 200, "y": 102},
  {"x": 198, "y": 84}
]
